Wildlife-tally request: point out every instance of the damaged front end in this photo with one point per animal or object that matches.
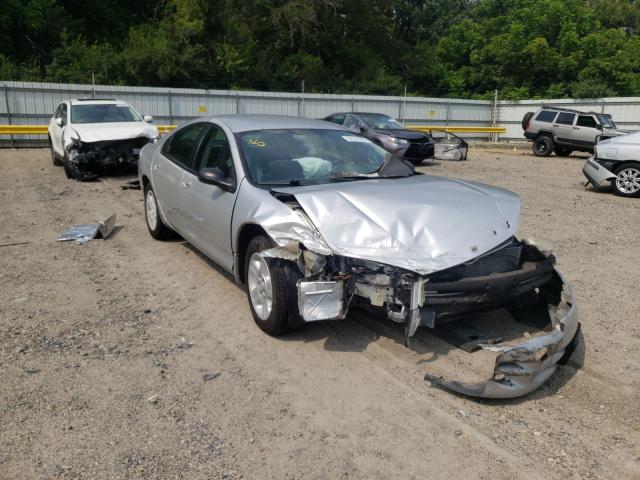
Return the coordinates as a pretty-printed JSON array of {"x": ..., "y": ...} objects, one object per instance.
[
  {"x": 85, "y": 160},
  {"x": 516, "y": 281}
]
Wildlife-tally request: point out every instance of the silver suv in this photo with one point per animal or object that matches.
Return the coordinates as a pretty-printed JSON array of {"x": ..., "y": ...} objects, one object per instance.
[{"x": 560, "y": 130}]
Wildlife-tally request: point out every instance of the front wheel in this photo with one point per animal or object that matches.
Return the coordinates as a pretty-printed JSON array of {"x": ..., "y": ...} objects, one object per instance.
[
  {"x": 156, "y": 226},
  {"x": 74, "y": 172},
  {"x": 417, "y": 161},
  {"x": 543, "y": 146},
  {"x": 54, "y": 158},
  {"x": 627, "y": 181},
  {"x": 271, "y": 290}
]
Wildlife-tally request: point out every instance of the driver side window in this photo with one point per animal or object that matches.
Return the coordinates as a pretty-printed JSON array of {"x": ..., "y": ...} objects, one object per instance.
[
  {"x": 215, "y": 152},
  {"x": 586, "y": 121}
]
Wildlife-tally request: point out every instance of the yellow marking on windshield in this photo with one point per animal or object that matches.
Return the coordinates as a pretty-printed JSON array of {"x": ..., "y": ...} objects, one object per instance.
[{"x": 256, "y": 142}]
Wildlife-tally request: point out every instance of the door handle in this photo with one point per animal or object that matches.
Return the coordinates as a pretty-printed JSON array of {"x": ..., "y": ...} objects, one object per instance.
[
  {"x": 186, "y": 184},
  {"x": 576, "y": 128}
]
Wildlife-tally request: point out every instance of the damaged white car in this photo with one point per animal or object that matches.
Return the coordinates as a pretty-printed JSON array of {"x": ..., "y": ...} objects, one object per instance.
[
  {"x": 87, "y": 136},
  {"x": 316, "y": 220},
  {"x": 616, "y": 160}
]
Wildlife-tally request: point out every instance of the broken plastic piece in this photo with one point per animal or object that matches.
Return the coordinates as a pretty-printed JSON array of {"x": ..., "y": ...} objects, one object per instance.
[{"x": 84, "y": 233}]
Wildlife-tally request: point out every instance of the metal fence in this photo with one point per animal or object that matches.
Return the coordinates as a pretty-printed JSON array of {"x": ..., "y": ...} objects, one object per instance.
[{"x": 30, "y": 103}]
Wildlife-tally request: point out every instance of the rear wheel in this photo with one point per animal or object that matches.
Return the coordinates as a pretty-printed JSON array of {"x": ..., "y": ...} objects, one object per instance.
[
  {"x": 627, "y": 181},
  {"x": 271, "y": 290},
  {"x": 562, "y": 151},
  {"x": 543, "y": 146},
  {"x": 156, "y": 226}
]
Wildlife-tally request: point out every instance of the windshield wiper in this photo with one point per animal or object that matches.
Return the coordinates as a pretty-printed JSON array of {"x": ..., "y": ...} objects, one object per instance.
[
  {"x": 291, "y": 183},
  {"x": 350, "y": 176}
]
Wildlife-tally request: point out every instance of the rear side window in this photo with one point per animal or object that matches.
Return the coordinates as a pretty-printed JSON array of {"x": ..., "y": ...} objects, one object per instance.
[
  {"x": 181, "y": 145},
  {"x": 546, "y": 116},
  {"x": 566, "y": 118},
  {"x": 587, "y": 121}
]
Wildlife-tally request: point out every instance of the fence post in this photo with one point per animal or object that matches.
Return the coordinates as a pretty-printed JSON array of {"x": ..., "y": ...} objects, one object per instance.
[
  {"x": 494, "y": 115},
  {"x": 237, "y": 103},
  {"x": 170, "y": 108},
  {"x": 447, "y": 113},
  {"x": 6, "y": 102}
]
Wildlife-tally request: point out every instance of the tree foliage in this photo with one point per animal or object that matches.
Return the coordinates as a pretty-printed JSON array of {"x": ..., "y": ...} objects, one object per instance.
[{"x": 465, "y": 48}]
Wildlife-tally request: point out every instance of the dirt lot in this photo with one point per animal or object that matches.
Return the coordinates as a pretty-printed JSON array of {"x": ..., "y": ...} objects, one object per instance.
[{"x": 132, "y": 358}]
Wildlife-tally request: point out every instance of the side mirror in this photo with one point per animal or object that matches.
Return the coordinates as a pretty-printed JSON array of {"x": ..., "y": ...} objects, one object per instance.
[
  {"x": 59, "y": 121},
  {"x": 214, "y": 176},
  {"x": 148, "y": 118}
]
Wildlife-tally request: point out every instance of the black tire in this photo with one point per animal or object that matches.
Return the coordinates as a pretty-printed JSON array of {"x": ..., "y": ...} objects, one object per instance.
[
  {"x": 73, "y": 172},
  {"x": 157, "y": 228},
  {"x": 284, "y": 314},
  {"x": 525, "y": 120},
  {"x": 543, "y": 146},
  {"x": 627, "y": 181},
  {"x": 416, "y": 162},
  {"x": 54, "y": 158},
  {"x": 562, "y": 151}
]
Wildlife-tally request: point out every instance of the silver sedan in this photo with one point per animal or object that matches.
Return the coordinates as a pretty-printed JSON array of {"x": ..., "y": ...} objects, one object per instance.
[{"x": 315, "y": 220}]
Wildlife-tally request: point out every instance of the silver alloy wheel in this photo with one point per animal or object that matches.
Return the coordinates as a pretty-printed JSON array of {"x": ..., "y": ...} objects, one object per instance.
[
  {"x": 260, "y": 288},
  {"x": 151, "y": 210},
  {"x": 628, "y": 180}
]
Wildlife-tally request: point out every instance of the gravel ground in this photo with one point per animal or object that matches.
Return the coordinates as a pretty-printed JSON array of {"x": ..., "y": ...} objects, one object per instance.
[{"x": 132, "y": 358}]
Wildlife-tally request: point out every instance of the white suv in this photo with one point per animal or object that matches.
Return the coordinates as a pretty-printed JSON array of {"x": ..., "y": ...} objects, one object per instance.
[{"x": 87, "y": 135}]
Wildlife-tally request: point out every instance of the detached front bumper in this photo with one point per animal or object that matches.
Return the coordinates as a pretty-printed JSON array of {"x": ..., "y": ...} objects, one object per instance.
[
  {"x": 596, "y": 173},
  {"x": 522, "y": 368}
]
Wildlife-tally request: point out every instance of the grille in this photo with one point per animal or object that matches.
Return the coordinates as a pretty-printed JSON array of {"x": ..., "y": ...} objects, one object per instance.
[{"x": 503, "y": 259}]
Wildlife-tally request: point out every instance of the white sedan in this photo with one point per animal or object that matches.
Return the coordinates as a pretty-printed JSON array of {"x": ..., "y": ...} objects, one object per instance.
[{"x": 87, "y": 135}]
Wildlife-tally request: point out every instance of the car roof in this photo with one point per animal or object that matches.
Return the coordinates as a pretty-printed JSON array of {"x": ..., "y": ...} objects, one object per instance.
[
  {"x": 358, "y": 113},
  {"x": 97, "y": 101},
  {"x": 245, "y": 123},
  {"x": 553, "y": 107}
]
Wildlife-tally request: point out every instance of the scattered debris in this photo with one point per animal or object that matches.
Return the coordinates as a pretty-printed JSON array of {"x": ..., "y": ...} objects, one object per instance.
[
  {"x": 154, "y": 398},
  {"x": 31, "y": 370},
  {"x": 13, "y": 244},
  {"x": 131, "y": 185},
  {"x": 84, "y": 233},
  {"x": 210, "y": 376}
]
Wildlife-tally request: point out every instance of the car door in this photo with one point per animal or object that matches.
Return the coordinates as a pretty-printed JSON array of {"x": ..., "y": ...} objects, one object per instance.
[
  {"x": 56, "y": 130},
  {"x": 585, "y": 131},
  {"x": 168, "y": 167},
  {"x": 563, "y": 127},
  {"x": 209, "y": 208}
]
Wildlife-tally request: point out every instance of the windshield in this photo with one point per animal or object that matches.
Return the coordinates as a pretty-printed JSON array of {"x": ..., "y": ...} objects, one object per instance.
[
  {"x": 301, "y": 156},
  {"x": 379, "y": 121},
  {"x": 104, "y": 113},
  {"x": 606, "y": 122}
]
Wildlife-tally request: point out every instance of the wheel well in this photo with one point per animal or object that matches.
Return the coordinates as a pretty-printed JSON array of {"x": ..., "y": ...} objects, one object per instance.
[
  {"x": 247, "y": 232},
  {"x": 626, "y": 164},
  {"x": 145, "y": 182},
  {"x": 545, "y": 134}
]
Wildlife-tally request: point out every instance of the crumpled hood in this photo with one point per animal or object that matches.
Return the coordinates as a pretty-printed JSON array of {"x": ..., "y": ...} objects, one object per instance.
[
  {"x": 101, "y": 132},
  {"x": 631, "y": 138},
  {"x": 420, "y": 223}
]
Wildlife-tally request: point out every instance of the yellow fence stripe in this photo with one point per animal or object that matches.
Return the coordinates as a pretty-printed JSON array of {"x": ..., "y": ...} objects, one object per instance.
[
  {"x": 467, "y": 129},
  {"x": 42, "y": 129}
]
